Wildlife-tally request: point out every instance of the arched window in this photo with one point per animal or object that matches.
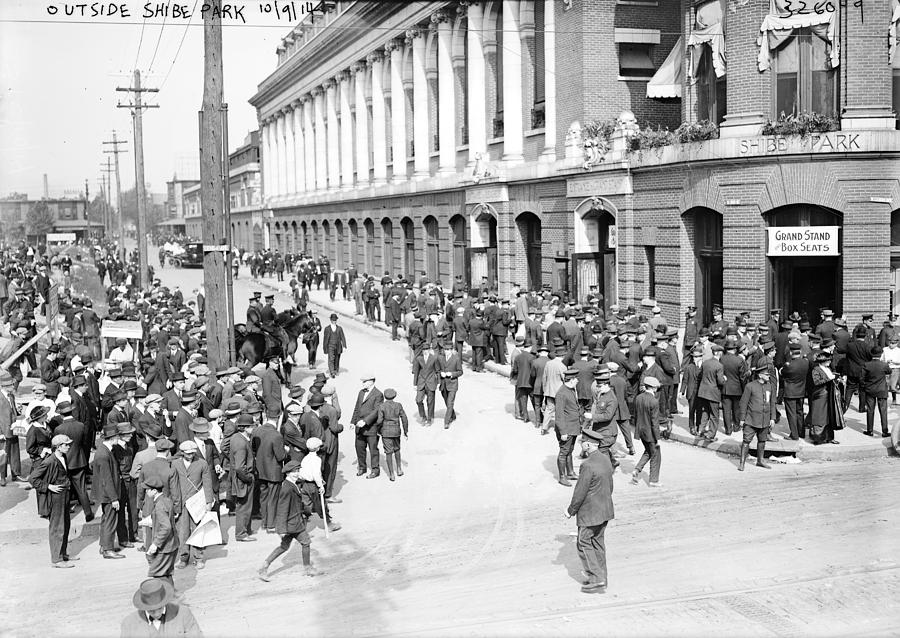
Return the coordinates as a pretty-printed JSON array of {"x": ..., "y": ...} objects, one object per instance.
[
  {"x": 304, "y": 242},
  {"x": 369, "y": 227},
  {"x": 339, "y": 243},
  {"x": 537, "y": 111},
  {"x": 326, "y": 240},
  {"x": 530, "y": 233},
  {"x": 460, "y": 247},
  {"x": 409, "y": 247},
  {"x": 387, "y": 245},
  {"x": 354, "y": 243}
]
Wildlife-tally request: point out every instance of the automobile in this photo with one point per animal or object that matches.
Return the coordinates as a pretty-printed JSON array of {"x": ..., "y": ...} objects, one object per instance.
[{"x": 190, "y": 257}]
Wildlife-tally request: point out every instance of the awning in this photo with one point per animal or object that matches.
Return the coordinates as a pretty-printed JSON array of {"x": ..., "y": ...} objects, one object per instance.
[
  {"x": 709, "y": 28},
  {"x": 178, "y": 221},
  {"x": 667, "y": 81},
  {"x": 781, "y": 22}
]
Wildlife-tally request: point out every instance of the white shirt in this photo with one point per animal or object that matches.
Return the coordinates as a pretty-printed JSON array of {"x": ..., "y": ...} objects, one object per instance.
[{"x": 311, "y": 469}]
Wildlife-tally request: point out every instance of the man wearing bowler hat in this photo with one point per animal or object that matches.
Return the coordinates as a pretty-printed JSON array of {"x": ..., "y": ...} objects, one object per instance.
[
  {"x": 157, "y": 615},
  {"x": 77, "y": 455},
  {"x": 106, "y": 490},
  {"x": 333, "y": 345},
  {"x": 240, "y": 461},
  {"x": 592, "y": 506},
  {"x": 365, "y": 418}
]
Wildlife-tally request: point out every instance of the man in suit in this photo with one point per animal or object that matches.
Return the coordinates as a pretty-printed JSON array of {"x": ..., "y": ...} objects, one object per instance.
[
  {"x": 365, "y": 418},
  {"x": 105, "y": 488},
  {"x": 477, "y": 331},
  {"x": 460, "y": 329},
  {"x": 270, "y": 383},
  {"x": 333, "y": 345},
  {"x": 735, "y": 370},
  {"x": 449, "y": 369},
  {"x": 592, "y": 506},
  {"x": 162, "y": 552},
  {"x": 181, "y": 425},
  {"x": 522, "y": 378},
  {"x": 712, "y": 379},
  {"x": 8, "y": 415},
  {"x": 757, "y": 415},
  {"x": 647, "y": 419},
  {"x": 875, "y": 384},
  {"x": 858, "y": 353},
  {"x": 793, "y": 375},
  {"x": 240, "y": 462},
  {"x": 425, "y": 380},
  {"x": 77, "y": 454},
  {"x": 568, "y": 425},
  {"x": 50, "y": 480},
  {"x": 537, "y": 383},
  {"x": 268, "y": 447}
]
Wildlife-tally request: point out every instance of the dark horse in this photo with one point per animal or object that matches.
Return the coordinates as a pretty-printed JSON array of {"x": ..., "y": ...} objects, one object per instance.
[{"x": 257, "y": 346}]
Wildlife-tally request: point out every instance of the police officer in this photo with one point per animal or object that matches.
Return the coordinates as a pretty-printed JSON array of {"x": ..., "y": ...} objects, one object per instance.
[{"x": 253, "y": 318}]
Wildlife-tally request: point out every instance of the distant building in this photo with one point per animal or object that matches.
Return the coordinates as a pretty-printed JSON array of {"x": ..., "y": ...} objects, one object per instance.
[
  {"x": 173, "y": 221},
  {"x": 69, "y": 216},
  {"x": 246, "y": 195},
  {"x": 193, "y": 218}
]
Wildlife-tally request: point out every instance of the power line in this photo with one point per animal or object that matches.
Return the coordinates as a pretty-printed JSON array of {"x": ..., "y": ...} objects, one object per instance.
[
  {"x": 178, "y": 50},
  {"x": 140, "y": 42},
  {"x": 156, "y": 48}
]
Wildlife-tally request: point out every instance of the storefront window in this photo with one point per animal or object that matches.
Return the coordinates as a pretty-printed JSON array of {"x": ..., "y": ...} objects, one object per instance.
[{"x": 804, "y": 80}]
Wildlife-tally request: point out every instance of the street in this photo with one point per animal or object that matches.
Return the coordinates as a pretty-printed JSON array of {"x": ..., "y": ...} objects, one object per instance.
[{"x": 472, "y": 541}]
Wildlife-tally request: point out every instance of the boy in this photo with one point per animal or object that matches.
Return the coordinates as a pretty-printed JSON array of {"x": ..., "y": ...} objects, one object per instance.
[{"x": 391, "y": 416}]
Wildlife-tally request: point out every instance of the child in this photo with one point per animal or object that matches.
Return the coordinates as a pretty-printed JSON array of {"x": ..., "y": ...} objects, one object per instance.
[
  {"x": 163, "y": 549},
  {"x": 390, "y": 418},
  {"x": 312, "y": 483},
  {"x": 690, "y": 385}
]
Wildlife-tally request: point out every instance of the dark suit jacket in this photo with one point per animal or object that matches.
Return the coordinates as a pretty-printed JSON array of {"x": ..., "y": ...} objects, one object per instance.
[
  {"x": 592, "y": 499},
  {"x": 289, "y": 510},
  {"x": 333, "y": 339},
  {"x": 794, "y": 374},
  {"x": 646, "y": 417},
  {"x": 521, "y": 369},
  {"x": 367, "y": 410},
  {"x": 875, "y": 378},
  {"x": 568, "y": 412},
  {"x": 858, "y": 354},
  {"x": 240, "y": 458},
  {"x": 269, "y": 447},
  {"x": 80, "y": 450},
  {"x": 453, "y": 365},
  {"x": 424, "y": 372},
  {"x": 163, "y": 533},
  {"x": 735, "y": 370},
  {"x": 181, "y": 428},
  {"x": 712, "y": 378},
  {"x": 105, "y": 486}
]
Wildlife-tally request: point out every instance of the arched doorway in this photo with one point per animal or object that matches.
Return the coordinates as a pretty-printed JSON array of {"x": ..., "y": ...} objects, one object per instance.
[
  {"x": 339, "y": 243},
  {"x": 895, "y": 262},
  {"x": 304, "y": 242},
  {"x": 798, "y": 280},
  {"x": 460, "y": 235},
  {"x": 409, "y": 248},
  {"x": 354, "y": 243},
  {"x": 315, "y": 239},
  {"x": 594, "y": 258},
  {"x": 530, "y": 232},
  {"x": 369, "y": 227},
  {"x": 277, "y": 245},
  {"x": 257, "y": 237},
  {"x": 483, "y": 251},
  {"x": 294, "y": 237},
  {"x": 387, "y": 245},
  {"x": 708, "y": 289},
  {"x": 432, "y": 249}
]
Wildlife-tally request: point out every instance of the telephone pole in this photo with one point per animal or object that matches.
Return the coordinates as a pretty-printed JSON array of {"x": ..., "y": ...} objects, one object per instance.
[
  {"x": 116, "y": 150},
  {"x": 137, "y": 119},
  {"x": 107, "y": 218},
  {"x": 213, "y": 182},
  {"x": 87, "y": 207}
]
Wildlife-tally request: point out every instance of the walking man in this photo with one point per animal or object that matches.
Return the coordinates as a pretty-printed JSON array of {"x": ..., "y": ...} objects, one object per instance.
[
  {"x": 333, "y": 344},
  {"x": 592, "y": 506},
  {"x": 365, "y": 418},
  {"x": 106, "y": 490},
  {"x": 51, "y": 482}
]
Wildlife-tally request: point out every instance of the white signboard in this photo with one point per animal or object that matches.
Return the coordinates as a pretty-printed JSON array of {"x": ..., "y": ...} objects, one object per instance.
[
  {"x": 803, "y": 241},
  {"x": 60, "y": 237},
  {"x": 124, "y": 329}
]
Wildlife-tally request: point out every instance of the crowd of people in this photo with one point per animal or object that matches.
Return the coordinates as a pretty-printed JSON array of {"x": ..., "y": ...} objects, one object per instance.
[{"x": 165, "y": 444}]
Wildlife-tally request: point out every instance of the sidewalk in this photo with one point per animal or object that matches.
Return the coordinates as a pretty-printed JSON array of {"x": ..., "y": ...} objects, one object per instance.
[{"x": 853, "y": 444}]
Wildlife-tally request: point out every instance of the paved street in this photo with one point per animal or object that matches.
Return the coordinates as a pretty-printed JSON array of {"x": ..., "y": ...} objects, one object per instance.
[{"x": 472, "y": 541}]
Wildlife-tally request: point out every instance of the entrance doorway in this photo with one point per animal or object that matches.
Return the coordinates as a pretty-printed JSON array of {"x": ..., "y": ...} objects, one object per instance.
[
  {"x": 460, "y": 245},
  {"x": 409, "y": 248},
  {"x": 432, "y": 249},
  {"x": 483, "y": 254},
  {"x": 594, "y": 258},
  {"x": 895, "y": 262},
  {"x": 805, "y": 284},
  {"x": 530, "y": 231},
  {"x": 708, "y": 287}
]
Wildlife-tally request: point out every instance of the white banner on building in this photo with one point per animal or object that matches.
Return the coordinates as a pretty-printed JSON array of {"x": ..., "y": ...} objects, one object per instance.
[
  {"x": 803, "y": 241},
  {"x": 61, "y": 237}
]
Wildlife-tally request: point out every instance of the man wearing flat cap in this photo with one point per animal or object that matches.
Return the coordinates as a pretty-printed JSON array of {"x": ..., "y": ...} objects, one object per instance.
[
  {"x": 592, "y": 506},
  {"x": 757, "y": 415},
  {"x": 50, "y": 480},
  {"x": 268, "y": 446},
  {"x": 162, "y": 550},
  {"x": 105, "y": 488},
  {"x": 193, "y": 477},
  {"x": 77, "y": 455}
]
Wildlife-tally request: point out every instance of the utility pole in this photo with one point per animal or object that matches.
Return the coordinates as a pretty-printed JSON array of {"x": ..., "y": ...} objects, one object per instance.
[
  {"x": 116, "y": 150},
  {"x": 108, "y": 221},
  {"x": 137, "y": 119},
  {"x": 213, "y": 182},
  {"x": 87, "y": 207}
]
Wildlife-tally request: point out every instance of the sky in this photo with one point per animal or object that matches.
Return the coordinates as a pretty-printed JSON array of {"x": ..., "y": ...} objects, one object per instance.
[{"x": 58, "y": 90}]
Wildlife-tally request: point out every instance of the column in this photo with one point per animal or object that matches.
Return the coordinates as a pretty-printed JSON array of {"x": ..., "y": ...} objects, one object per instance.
[
  {"x": 398, "y": 110},
  {"x": 290, "y": 184},
  {"x": 379, "y": 122},
  {"x": 447, "y": 93},
  {"x": 266, "y": 129},
  {"x": 513, "y": 133},
  {"x": 333, "y": 138},
  {"x": 310, "y": 143},
  {"x": 549, "y": 152},
  {"x": 299, "y": 159},
  {"x": 475, "y": 84},
  {"x": 343, "y": 79},
  {"x": 323, "y": 153},
  {"x": 416, "y": 37},
  {"x": 362, "y": 124},
  {"x": 279, "y": 152}
]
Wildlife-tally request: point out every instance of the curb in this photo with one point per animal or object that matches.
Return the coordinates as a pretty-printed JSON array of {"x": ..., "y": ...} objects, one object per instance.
[
  {"x": 32, "y": 535},
  {"x": 801, "y": 450}
]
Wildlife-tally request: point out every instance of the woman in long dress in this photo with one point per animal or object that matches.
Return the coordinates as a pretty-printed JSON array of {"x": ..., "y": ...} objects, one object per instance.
[{"x": 825, "y": 413}]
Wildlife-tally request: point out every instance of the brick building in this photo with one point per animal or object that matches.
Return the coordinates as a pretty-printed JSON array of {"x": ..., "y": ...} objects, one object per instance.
[
  {"x": 69, "y": 216},
  {"x": 497, "y": 139}
]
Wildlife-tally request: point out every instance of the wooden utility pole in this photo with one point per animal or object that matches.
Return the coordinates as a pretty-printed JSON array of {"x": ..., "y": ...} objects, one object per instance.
[
  {"x": 87, "y": 207},
  {"x": 107, "y": 217},
  {"x": 137, "y": 111},
  {"x": 213, "y": 182},
  {"x": 116, "y": 150}
]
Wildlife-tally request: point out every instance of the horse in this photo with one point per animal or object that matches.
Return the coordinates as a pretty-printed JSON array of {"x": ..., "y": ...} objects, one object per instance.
[{"x": 256, "y": 347}]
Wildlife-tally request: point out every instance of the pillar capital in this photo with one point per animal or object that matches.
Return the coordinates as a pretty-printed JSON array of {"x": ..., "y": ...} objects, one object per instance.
[
  {"x": 317, "y": 91},
  {"x": 412, "y": 34},
  {"x": 342, "y": 76},
  {"x": 393, "y": 45},
  {"x": 329, "y": 84},
  {"x": 440, "y": 16},
  {"x": 358, "y": 67},
  {"x": 374, "y": 57}
]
